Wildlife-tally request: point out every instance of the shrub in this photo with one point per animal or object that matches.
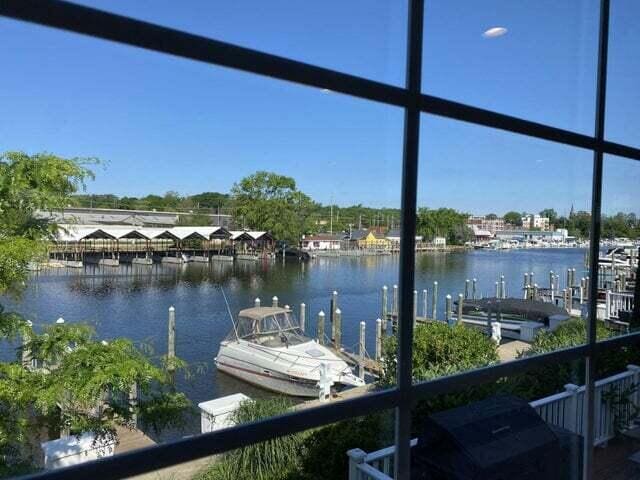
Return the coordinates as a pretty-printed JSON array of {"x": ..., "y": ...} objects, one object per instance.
[
  {"x": 276, "y": 459},
  {"x": 550, "y": 379},
  {"x": 439, "y": 350}
]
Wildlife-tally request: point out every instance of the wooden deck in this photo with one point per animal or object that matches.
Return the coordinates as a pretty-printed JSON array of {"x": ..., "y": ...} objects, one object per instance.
[{"x": 612, "y": 461}]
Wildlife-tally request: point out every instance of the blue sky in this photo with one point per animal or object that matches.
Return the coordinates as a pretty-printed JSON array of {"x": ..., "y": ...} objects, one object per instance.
[{"x": 162, "y": 123}]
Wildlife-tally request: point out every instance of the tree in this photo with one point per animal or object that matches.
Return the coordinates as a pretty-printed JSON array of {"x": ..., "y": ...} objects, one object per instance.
[
  {"x": 491, "y": 216},
  {"x": 271, "y": 202},
  {"x": 445, "y": 222},
  {"x": 514, "y": 218},
  {"x": 76, "y": 375},
  {"x": 551, "y": 214}
]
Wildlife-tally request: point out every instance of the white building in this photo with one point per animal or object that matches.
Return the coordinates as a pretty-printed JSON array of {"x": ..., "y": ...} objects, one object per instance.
[
  {"x": 322, "y": 241},
  {"x": 535, "y": 222}
]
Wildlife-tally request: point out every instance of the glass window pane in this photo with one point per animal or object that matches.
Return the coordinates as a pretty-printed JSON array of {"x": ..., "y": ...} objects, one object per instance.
[
  {"x": 619, "y": 248},
  {"x": 537, "y": 63},
  {"x": 186, "y": 147},
  {"x": 357, "y": 37},
  {"x": 505, "y": 223},
  {"x": 623, "y": 97},
  {"x": 503, "y": 429}
]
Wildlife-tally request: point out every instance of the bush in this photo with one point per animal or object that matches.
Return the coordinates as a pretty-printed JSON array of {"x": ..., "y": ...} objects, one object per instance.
[
  {"x": 324, "y": 452},
  {"x": 439, "y": 350},
  {"x": 550, "y": 379},
  {"x": 276, "y": 459}
]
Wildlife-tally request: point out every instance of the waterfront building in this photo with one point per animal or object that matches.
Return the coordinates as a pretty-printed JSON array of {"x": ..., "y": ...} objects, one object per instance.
[
  {"x": 393, "y": 236},
  {"x": 535, "y": 222},
  {"x": 481, "y": 222},
  {"x": 369, "y": 239},
  {"x": 322, "y": 241}
]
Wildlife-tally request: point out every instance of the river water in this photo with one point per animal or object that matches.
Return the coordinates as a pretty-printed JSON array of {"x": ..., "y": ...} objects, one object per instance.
[{"x": 132, "y": 301}]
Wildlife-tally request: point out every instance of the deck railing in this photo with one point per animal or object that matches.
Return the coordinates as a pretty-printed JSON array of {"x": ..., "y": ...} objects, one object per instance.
[
  {"x": 618, "y": 301},
  {"x": 617, "y": 399}
]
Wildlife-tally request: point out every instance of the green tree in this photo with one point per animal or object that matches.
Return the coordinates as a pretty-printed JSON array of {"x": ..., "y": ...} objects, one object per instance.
[
  {"x": 271, "y": 202},
  {"x": 75, "y": 376},
  {"x": 514, "y": 218},
  {"x": 445, "y": 222},
  {"x": 551, "y": 214}
]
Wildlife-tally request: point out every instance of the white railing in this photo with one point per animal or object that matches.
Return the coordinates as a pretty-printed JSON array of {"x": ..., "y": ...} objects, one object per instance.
[
  {"x": 617, "y": 399},
  {"x": 618, "y": 301}
]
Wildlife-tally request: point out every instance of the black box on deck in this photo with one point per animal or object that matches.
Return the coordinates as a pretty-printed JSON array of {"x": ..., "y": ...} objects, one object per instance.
[{"x": 499, "y": 438}]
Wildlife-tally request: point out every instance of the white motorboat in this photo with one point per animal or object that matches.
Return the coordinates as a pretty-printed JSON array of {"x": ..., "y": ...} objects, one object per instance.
[{"x": 267, "y": 348}]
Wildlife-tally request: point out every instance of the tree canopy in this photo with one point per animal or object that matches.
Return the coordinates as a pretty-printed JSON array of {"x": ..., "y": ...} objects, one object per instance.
[
  {"x": 443, "y": 222},
  {"x": 269, "y": 201},
  {"x": 514, "y": 218},
  {"x": 63, "y": 378}
]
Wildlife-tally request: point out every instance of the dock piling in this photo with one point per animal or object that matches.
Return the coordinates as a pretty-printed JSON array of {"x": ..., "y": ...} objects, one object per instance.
[
  {"x": 394, "y": 304},
  {"x": 378, "y": 339},
  {"x": 434, "y": 300},
  {"x": 424, "y": 303},
  {"x": 473, "y": 288},
  {"x": 361, "y": 350},
  {"x": 460, "y": 306},
  {"x": 385, "y": 303},
  {"x": 415, "y": 307},
  {"x": 448, "y": 309},
  {"x": 171, "y": 349},
  {"x": 337, "y": 329},
  {"x": 303, "y": 315},
  {"x": 498, "y": 295},
  {"x": 466, "y": 288},
  {"x": 320, "y": 328}
]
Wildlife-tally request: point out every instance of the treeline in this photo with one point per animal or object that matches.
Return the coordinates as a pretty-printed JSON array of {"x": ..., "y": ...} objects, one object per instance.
[{"x": 272, "y": 202}]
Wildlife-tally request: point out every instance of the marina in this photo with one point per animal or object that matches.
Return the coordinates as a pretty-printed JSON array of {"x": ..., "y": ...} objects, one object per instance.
[{"x": 132, "y": 301}]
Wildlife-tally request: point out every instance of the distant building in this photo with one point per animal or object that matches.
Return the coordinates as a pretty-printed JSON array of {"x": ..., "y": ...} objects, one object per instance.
[
  {"x": 369, "y": 239},
  {"x": 393, "y": 236},
  {"x": 480, "y": 235},
  {"x": 439, "y": 242},
  {"x": 115, "y": 216},
  {"x": 535, "y": 222},
  {"x": 492, "y": 225},
  {"x": 322, "y": 241}
]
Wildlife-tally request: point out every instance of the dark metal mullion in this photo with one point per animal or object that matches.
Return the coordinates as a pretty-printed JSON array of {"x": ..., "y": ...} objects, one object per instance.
[
  {"x": 594, "y": 245},
  {"x": 411, "y": 142}
]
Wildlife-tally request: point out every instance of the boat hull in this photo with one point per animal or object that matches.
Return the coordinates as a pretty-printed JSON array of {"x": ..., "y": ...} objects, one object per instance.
[{"x": 268, "y": 380}]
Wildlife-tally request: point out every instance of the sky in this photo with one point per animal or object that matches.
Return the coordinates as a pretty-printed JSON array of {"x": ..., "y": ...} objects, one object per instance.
[{"x": 162, "y": 123}]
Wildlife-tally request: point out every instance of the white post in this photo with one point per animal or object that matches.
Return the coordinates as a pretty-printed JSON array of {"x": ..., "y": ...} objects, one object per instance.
[
  {"x": 460, "y": 306},
  {"x": 256, "y": 303},
  {"x": 503, "y": 291},
  {"x": 498, "y": 290},
  {"x": 26, "y": 351},
  {"x": 378, "y": 339},
  {"x": 496, "y": 332},
  {"x": 303, "y": 316},
  {"x": 415, "y": 307},
  {"x": 171, "y": 350},
  {"x": 325, "y": 383},
  {"x": 572, "y": 422},
  {"x": 361, "y": 349},
  {"x": 448, "y": 308},
  {"x": 434, "y": 301},
  {"x": 424, "y": 303},
  {"x": 274, "y": 301},
  {"x": 466, "y": 289},
  {"x": 473, "y": 288},
  {"x": 385, "y": 303},
  {"x": 356, "y": 457},
  {"x": 608, "y": 305},
  {"x": 320, "y": 328},
  {"x": 394, "y": 301}
]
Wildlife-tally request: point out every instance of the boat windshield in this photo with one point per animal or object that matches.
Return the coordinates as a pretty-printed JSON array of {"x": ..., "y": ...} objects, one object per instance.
[{"x": 281, "y": 329}]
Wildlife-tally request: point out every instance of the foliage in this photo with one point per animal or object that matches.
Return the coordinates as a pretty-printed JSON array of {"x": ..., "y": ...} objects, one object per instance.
[
  {"x": 276, "y": 459},
  {"x": 547, "y": 380},
  {"x": 77, "y": 382},
  {"x": 513, "y": 218},
  {"x": 439, "y": 350},
  {"x": 443, "y": 222},
  {"x": 323, "y": 452},
  {"x": 551, "y": 214},
  {"x": 271, "y": 202}
]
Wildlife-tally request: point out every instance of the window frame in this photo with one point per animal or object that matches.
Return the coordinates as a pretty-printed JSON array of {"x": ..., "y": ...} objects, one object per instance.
[{"x": 132, "y": 32}]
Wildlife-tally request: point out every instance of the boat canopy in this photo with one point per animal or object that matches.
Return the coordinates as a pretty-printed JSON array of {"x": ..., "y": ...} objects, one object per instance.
[
  {"x": 528, "y": 309},
  {"x": 268, "y": 325}
]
